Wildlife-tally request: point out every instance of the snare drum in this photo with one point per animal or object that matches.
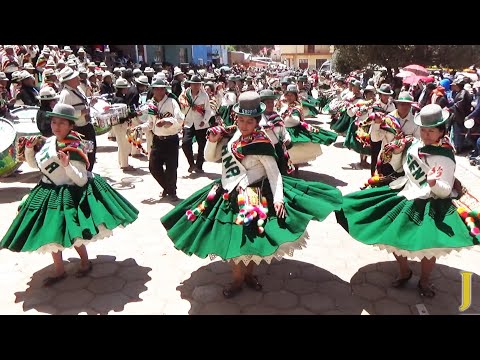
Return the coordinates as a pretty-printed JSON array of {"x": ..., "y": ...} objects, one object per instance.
[
  {"x": 101, "y": 115},
  {"x": 120, "y": 111},
  {"x": 26, "y": 124},
  {"x": 26, "y": 114},
  {"x": 103, "y": 123},
  {"x": 8, "y": 162}
]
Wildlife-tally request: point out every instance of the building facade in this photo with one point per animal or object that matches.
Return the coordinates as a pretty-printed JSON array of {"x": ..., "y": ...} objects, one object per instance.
[
  {"x": 306, "y": 56},
  {"x": 174, "y": 54},
  {"x": 209, "y": 54}
]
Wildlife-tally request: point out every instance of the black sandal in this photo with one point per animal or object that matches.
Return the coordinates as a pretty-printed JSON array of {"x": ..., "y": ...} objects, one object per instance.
[
  {"x": 402, "y": 281},
  {"x": 426, "y": 291},
  {"x": 83, "y": 272},
  {"x": 49, "y": 281},
  {"x": 252, "y": 282},
  {"x": 231, "y": 290}
]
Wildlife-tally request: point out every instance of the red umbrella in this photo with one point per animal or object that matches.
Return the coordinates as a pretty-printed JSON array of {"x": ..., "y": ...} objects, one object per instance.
[
  {"x": 415, "y": 79},
  {"x": 403, "y": 74},
  {"x": 416, "y": 69}
]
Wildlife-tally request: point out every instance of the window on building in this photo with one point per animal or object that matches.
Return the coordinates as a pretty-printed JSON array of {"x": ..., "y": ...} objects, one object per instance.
[
  {"x": 319, "y": 63},
  {"x": 309, "y": 49},
  {"x": 159, "y": 54},
  {"x": 303, "y": 63},
  {"x": 182, "y": 55}
]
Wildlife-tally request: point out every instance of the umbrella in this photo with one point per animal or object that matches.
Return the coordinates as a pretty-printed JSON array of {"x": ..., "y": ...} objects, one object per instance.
[
  {"x": 409, "y": 80},
  {"x": 403, "y": 74},
  {"x": 416, "y": 69},
  {"x": 225, "y": 68}
]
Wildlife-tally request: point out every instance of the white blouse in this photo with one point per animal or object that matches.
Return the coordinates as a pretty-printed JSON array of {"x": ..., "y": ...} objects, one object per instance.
[
  {"x": 73, "y": 174},
  {"x": 258, "y": 167}
]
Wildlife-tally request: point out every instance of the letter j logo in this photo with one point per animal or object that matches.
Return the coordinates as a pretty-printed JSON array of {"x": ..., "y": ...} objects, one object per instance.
[{"x": 466, "y": 290}]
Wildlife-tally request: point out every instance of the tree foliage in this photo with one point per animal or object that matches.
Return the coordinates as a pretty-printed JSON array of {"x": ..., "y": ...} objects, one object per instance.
[{"x": 350, "y": 57}]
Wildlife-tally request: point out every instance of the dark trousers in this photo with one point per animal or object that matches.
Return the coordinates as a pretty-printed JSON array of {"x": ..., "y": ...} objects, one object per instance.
[
  {"x": 376, "y": 146},
  {"x": 201, "y": 136},
  {"x": 88, "y": 131},
  {"x": 164, "y": 151}
]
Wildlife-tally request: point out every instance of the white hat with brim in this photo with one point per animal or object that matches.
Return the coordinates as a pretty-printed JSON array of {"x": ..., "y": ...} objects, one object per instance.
[
  {"x": 142, "y": 80},
  {"x": 28, "y": 66},
  {"x": 67, "y": 73},
  {"x": 48, "y": 72},
  {"x": 122, "y": 83},
  {"x": 106, "y": 73},
  {"x": 431, "y": 115},
  {"x": 159, "y": 83},
  {"x": 178, "y": 72},
  {"x": 404, "y": 97},
  {"x": 48, "y": 93}
]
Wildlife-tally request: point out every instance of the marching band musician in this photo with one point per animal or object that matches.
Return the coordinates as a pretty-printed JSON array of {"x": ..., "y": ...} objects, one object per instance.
[
  {"x": 195, "y": 104},
  {"x": 165, "y": 120},
  {"x": 120, "y": 129},
  {"x": 71, "y": 94}
]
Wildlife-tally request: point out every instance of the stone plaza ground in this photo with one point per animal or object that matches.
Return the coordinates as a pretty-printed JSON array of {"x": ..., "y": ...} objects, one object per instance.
[{"x": 138, "y": 271}]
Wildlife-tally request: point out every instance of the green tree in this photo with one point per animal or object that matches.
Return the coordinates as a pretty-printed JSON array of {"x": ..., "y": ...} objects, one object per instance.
[{"x": 352, "y": 57}]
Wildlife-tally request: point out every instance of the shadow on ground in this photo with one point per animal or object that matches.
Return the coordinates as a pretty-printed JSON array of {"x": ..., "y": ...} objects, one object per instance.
[
  {"x": 13, "y": 194},
  {"x": 373, "y": 283},
  {"x": 166, "y": 200},
  {"x": 31, "y": 177},
  {"x": 107, "y": 149},
  {"x": 211, "y": 176},
  {"x": 110, "y": 286},
  {"x": 357, "y": 166},
  {"x": 290, "y": 287}
]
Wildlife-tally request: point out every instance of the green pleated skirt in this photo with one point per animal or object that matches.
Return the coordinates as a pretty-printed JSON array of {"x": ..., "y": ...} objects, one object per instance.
[
  {"x": 53, "y": 218},
  {"x": 301, "y": 135},
  {"x": 309, "y": 109},
  {"x": 352, "y": 143},
  {"x": 341, "y": 125},
  {"x": 215, "y": 233},
  {"x": 413, "y": 228}
]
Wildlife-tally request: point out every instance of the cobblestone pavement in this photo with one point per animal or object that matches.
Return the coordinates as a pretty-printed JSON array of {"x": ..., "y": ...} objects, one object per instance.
[{"x": 138, "y": 271}]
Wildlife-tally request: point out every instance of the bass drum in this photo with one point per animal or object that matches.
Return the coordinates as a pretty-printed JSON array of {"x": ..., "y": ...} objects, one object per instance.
[
  {"x": 26, "y": 124},
  {"x": 8, "y": 161},
  {"x": 101, "y": 117}
]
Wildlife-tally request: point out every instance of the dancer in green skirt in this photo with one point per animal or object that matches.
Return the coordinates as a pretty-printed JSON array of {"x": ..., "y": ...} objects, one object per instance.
[
  {"x": 414, "y": 215},
  {"x": 252, "y": 213},
  {"x": 70, "y": 207}
]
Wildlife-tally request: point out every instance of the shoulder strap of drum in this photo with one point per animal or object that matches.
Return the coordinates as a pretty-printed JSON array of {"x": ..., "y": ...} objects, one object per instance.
[{"x": 81, "y": 96}]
